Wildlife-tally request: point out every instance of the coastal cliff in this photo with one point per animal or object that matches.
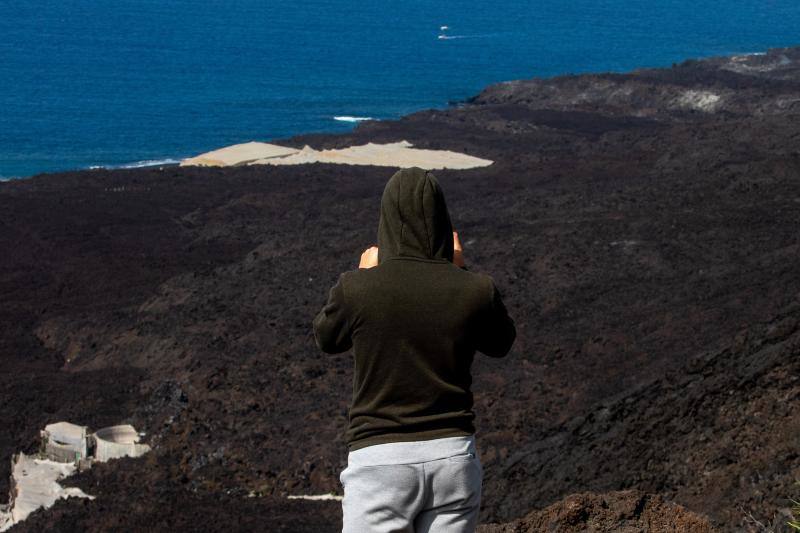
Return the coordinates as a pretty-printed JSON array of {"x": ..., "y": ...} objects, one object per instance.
[{"x": 642, "y": 227}]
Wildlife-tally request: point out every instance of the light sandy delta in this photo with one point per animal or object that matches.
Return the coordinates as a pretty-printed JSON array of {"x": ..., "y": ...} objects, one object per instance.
[{"x": 400, "y": 154}]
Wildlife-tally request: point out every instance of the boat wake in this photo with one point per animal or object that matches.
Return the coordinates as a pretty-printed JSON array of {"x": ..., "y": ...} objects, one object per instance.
[{"x": 445, "y": 37}]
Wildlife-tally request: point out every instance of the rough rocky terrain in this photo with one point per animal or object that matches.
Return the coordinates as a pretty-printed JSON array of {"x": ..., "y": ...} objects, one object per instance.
[
  {"x": 643, "y": 228},
  {"x": 624, "y": 512}
]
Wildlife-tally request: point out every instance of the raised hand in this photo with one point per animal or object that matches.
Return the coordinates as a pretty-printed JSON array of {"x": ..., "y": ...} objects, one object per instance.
[
  {"x": 369, "y": 258},
  {"x": 458, "y": 252}
]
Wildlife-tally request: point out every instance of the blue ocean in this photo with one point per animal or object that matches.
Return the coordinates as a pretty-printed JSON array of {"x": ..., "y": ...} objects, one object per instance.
[{"x": 132, "y": 82}]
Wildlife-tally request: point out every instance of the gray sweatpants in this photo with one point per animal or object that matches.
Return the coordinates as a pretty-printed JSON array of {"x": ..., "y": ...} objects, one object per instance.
[{"x": 413, "y": 487}]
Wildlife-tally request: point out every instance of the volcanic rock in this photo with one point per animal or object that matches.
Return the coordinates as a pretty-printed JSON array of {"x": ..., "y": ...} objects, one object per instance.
[
  {"x": 614, "y": 512},
  {"x": 642, "y": 227}
]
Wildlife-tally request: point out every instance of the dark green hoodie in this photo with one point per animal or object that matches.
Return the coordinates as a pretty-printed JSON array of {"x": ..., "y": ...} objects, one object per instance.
[{"x": 414, "y": 323}]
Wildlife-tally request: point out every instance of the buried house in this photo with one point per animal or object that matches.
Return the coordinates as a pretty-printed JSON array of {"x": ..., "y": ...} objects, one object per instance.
[
  {"x": 64, "y": 442},
  {"x": 65, "y": 448},
  {"x": 68, "y": 443},
  {"x": 117, "y": 441}
]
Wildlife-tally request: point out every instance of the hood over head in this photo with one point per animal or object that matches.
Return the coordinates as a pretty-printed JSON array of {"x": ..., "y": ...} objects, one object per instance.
[{"x": 414, "y": 219}]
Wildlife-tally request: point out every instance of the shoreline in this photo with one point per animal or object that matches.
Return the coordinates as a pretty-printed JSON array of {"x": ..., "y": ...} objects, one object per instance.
[{"x": 358, "y": 121}]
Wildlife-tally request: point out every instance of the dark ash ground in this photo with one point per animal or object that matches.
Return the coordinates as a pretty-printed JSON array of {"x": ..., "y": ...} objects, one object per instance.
[{"x": 644, "y": 229}]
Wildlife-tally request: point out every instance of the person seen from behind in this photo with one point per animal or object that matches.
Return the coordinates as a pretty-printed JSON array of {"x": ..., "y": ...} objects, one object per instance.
[{"x": 414, "y": 317}]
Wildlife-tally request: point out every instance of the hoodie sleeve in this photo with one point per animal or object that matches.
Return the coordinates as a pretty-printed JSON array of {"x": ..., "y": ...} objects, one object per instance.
[
  {"x": 495, "y": 330},
  {"x": 332, "y": 323}
]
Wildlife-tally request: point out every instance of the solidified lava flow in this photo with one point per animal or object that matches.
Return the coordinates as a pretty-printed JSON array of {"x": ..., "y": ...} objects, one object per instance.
[{"x": 642, "y": 227}]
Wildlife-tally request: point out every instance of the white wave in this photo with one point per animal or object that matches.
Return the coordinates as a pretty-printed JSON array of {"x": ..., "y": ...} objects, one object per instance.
[
  {"x": 444, "y": 28},
  {"x": 149, "y": 163},
  {"x": 450, "y": 37},
  {"x": 137, "y": 164},
  {"x": 347, "y": 118}
]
